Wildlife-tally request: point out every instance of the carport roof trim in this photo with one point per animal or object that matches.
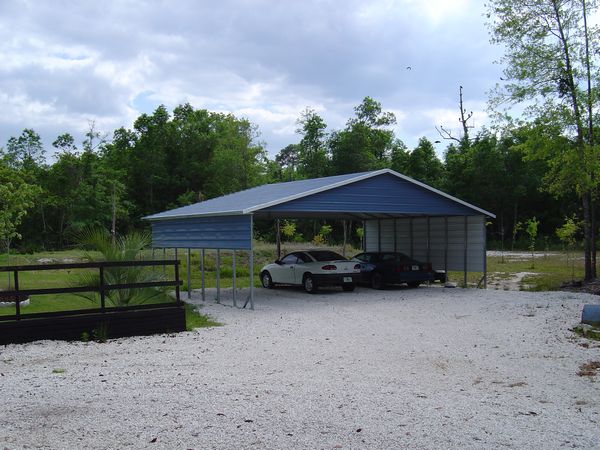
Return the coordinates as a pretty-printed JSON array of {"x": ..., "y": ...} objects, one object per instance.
[{"x": 343, "y": 180}]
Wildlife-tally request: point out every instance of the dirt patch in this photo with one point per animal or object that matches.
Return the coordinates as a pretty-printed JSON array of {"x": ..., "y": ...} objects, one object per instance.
[
  {"x": 589, "y": 369},
  {"x": 587, "y": 287},
  {"x": 509, "y": 281}
]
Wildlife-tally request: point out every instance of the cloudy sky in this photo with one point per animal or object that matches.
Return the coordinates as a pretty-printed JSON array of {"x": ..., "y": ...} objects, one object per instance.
[{"x": 65, "y": 63}]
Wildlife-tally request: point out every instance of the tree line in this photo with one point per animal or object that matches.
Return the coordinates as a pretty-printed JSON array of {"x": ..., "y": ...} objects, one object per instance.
[{"x": 174, "y": 159}]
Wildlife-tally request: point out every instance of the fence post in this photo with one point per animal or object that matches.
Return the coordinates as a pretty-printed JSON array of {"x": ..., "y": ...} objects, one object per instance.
[
  {"x": 102, "y": 293},
  {"x": 17, "y": 297},
  {"x": 177, "y": 281}
]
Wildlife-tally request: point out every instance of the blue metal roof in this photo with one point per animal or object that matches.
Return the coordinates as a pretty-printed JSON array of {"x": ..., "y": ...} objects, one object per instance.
[
  {"x": 375, "y": 196},
  {"x": 388, "y": 192}
]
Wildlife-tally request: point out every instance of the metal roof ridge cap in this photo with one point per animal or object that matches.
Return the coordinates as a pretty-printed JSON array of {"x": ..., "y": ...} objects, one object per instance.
[
  {"x": 185, "y": 216},
  {"x": 437, "y": 191},
  {"x": 327, "y": 187}
]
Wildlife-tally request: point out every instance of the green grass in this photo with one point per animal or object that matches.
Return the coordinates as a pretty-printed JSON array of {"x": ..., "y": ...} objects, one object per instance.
[
  {"x": 39, "y": 279},
  {"x": 550, "y": 272},
  {"x": 193, "y": 319}
]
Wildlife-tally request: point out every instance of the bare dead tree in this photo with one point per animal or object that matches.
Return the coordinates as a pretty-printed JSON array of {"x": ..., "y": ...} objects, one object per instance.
[{"x": 463, "y": 119}]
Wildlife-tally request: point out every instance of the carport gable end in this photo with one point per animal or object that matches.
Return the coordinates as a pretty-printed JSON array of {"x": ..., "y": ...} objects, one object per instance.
[{"x": 385, "y": 195}]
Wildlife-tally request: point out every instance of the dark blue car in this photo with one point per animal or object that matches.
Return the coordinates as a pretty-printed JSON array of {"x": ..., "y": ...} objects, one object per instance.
[{"x": 378, "y": 269}]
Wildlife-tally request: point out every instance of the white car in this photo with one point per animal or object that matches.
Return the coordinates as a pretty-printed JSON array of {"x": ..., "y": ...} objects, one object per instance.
[{"x": 311, "y": 269}]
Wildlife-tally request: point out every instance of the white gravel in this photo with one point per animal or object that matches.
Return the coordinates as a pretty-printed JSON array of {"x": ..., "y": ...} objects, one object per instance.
[{"x": 422, "y": 368}]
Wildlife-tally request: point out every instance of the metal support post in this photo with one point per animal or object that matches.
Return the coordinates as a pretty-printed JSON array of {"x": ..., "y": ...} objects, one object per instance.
[
  {"x": 218, "y": 275},
  {"x": 189, "y": 281},
  {"x": 251, "y": 262},
  {"x": 203, "y": 277},
  {"x": 446, "y": 248},
  {"x": 17, "y": 295},
  {"x": 379, "y": 234},
  {"x": 412, "y": 239},
  {"x": 233, "y": 290},
  {"x": 395, "y": 235},
  {"x": 484, "y": 255},
  {"x": 428, "y": 240},
  {"x": 465, "y": 237}
]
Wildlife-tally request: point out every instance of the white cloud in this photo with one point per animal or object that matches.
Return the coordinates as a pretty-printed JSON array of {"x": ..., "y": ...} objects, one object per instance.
[{"x": 264, "y": 60}]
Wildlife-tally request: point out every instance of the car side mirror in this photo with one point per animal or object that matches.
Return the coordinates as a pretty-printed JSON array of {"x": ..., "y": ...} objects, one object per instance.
[{"x": 279, "y": 262}]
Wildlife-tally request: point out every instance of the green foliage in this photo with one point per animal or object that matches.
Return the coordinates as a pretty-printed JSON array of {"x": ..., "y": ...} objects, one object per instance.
[
  {"x": 118, "y": 248},
  {"x": 567, "y": 234},
  {"x": 26, "y": 151},
  {"x": 100, "y": 333},
  {"x": 423, "y": 164},
  {"x": 193, "y": 319},
  {"x": 16, "y": 198},
  {"x": 551, "y": 66},
  {"x": 325, "y": 230},
  {"x": 531, "y": 227},
  {"x": 318, "y": 240},
  {"x": 360, "y": 232},
  {"x": 288, "y": 229},
  {"x": 366, "y": 143},
  {"x": 311, "y": 150}
]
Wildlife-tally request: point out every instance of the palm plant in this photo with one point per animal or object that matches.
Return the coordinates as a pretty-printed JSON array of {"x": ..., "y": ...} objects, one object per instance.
[{"x": 118, "y": 248}]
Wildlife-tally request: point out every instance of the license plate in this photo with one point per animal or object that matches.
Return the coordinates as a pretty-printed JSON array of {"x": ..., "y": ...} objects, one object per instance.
[
  {"x": 347, "y": 279},
  {"x": 415, "y": 267}
]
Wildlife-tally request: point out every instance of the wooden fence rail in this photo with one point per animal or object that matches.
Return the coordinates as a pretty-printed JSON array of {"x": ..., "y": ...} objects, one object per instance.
[{"x": 101, "y": 288}]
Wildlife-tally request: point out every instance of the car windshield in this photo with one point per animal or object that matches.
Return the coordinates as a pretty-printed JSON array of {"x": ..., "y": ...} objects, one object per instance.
[{"x": 325, "y": 255}]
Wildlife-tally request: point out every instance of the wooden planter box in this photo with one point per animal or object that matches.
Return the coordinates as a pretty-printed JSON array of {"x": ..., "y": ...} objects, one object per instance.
[{"x": 76, "y": 325}]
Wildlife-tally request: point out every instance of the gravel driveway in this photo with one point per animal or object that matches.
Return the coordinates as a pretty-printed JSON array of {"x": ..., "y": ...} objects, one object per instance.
[{"x": 420, "y": 368}]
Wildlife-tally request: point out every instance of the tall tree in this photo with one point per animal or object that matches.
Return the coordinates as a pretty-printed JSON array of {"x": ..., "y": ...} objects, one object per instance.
[
  {"x": 287, "y": 160},
  {"x": 26, "y": 150},
  {"x": 548, "y": 67},
  {"x": 424, "y": 165},
  {"x": 16, "y": 198},
  {"x": 312, "y": 151},
  {"x": 366, "y": 143}
]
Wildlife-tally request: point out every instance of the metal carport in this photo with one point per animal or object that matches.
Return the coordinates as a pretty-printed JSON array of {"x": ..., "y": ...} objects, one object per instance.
[{"x": 399, "y": 214}]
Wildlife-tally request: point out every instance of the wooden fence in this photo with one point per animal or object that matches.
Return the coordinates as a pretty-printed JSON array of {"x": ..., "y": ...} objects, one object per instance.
[{"x": 110, "y": 322}]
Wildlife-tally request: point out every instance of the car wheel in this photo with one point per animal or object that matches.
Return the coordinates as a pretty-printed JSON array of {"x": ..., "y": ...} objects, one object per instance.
[
  {"x": 377, "y": 281},
  {"x": 266, "y": 280},
  {"x": 309, "y": 284},
  {"x": 414, "y": 284},
  {"x": 348, "y": 287}
]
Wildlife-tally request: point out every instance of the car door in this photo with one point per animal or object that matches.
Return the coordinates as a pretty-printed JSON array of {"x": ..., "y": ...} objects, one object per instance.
[
  {"x": 388, "y": 266},
  {"x": 301, "y": 267},
  {"x": 285, "y": 272},
  {"x": 366, "y": 268}
]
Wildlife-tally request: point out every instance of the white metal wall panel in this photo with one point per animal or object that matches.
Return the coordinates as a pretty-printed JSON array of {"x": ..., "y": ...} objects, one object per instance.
[
  {"x": 419, "y": 232},
  {"x": 371, "y": 236},
  {"x": 387, "y": 235},
  {"x": 403, "y": 236},
  {"x": 437, "y": 236},
  {"x": 455, "y": 247},
  {"x": 476, "y": 244}
]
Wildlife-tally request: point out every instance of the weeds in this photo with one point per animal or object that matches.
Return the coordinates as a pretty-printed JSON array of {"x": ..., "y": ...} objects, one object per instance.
[{"x": 589, "y": 369}]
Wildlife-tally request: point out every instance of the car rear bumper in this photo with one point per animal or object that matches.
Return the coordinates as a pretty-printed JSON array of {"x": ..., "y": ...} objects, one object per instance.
[
  {"x": 404, "y": 277},
  {"x": 401, "y": 277},
  {"x": 335, "y": 279}
]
